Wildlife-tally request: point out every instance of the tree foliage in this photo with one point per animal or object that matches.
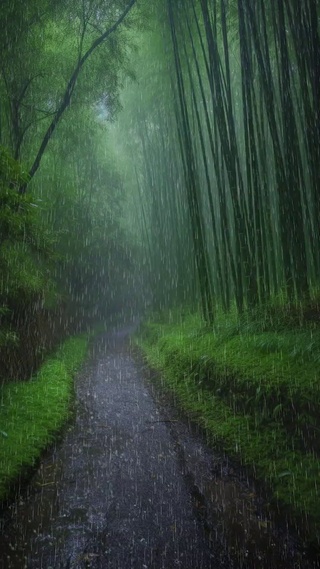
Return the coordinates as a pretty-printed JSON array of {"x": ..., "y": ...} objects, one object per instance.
[{"x": 62, "y": 244}]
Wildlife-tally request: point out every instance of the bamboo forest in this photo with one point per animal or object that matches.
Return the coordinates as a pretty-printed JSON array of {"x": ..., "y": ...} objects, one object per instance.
[{"x": 160, "y": 284}]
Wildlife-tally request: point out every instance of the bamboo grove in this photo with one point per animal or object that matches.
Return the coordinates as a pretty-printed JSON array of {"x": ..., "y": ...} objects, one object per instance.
[{"x": 226, "y": 132}]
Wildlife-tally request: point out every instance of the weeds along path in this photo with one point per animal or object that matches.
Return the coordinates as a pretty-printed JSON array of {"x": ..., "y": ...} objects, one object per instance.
[{"x": 130, "y": 487}]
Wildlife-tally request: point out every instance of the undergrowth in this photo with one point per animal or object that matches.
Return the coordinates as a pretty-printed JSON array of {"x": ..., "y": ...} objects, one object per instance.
[
  {"x": 32, "y": 412},
  {"x": 253, "y": 384}
]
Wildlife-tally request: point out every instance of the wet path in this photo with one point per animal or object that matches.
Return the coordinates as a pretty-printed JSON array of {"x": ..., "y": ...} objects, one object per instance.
[{"x": 131, "y": 488}]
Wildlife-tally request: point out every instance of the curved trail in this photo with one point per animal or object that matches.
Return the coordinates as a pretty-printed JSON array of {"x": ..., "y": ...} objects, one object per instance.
[{"x": 131, "y": 488}]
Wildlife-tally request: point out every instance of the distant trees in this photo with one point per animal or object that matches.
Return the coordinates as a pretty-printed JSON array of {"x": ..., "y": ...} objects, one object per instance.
[{"x": 84, "y": 200}]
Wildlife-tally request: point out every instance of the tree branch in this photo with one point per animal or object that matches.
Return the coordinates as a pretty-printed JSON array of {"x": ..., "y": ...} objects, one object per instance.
[{"x": 69, "y": 90}]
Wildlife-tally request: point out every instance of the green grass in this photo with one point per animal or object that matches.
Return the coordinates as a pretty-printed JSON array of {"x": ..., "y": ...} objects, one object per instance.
[
  {"x": 255, "y": 390},
  {"x": 33, "y": 412}
]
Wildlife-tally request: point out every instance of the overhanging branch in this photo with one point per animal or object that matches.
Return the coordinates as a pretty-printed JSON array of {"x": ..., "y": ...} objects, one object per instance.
[{"x": 69, "y": 90}]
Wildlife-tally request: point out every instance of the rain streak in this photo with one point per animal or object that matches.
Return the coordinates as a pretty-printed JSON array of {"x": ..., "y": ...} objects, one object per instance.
[{"x": 159, "y": 284}]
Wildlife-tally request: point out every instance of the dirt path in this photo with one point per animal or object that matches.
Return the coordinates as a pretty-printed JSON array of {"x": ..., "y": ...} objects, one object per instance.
[{"x": 130, "y": 487}]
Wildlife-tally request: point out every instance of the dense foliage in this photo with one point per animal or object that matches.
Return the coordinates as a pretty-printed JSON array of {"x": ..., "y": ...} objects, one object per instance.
[{"x": 64, "y": 254}]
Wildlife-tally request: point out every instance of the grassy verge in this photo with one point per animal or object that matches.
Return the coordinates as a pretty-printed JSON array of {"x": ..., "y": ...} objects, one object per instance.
[
  {"x": 32, "y": 412},
  {"x": 255, "y": 388}
]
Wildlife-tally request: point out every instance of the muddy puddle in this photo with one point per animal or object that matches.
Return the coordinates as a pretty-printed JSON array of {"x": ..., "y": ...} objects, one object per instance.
[{"x": 132, "y": 485}]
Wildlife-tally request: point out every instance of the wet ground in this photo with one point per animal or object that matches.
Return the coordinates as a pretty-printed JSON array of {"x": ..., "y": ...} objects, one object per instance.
[{"x": 132, "y": 486}]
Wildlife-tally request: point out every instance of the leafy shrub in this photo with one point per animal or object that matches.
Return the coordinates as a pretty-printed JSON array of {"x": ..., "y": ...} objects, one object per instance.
[{"x": 26, "y": 248}]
